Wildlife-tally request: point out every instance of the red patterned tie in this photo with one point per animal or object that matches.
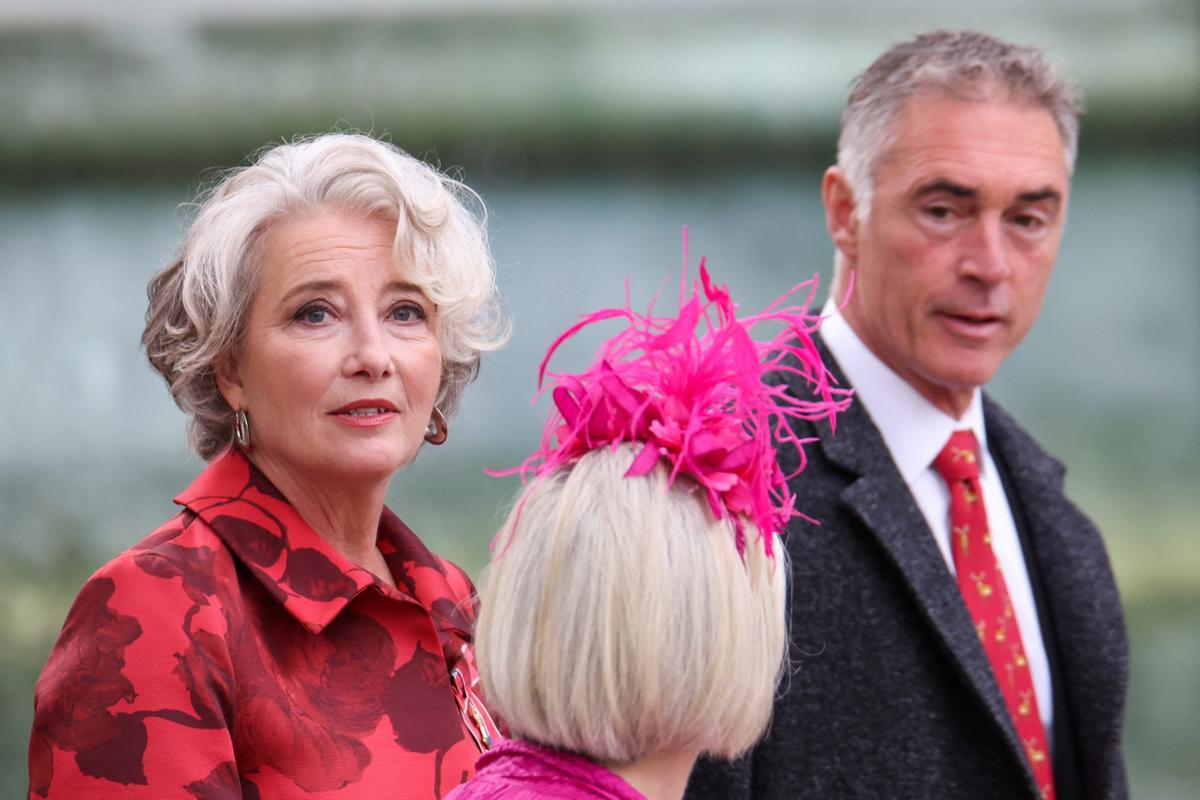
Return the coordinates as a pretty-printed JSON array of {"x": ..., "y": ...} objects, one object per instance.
[{"x": 986, "y": 596}]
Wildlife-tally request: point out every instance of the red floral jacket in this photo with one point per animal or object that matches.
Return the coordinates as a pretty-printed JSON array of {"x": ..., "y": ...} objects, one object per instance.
[{"x": 234, "y": 654}]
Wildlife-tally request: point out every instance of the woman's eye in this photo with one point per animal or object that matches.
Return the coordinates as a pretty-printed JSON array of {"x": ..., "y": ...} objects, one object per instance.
[
  {"x": 407, "y": 313},
  {"x": 313, "y": 315}
]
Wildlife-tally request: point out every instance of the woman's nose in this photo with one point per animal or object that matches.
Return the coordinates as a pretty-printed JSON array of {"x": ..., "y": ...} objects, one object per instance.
[{"x": 368, "y": 354}]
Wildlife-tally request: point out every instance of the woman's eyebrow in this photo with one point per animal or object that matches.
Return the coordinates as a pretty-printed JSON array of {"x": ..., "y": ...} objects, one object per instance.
[
  {"x": 310, "y": 286},
  {"x": 404, "y": 286},
  {"x": 326, "y": 285}
]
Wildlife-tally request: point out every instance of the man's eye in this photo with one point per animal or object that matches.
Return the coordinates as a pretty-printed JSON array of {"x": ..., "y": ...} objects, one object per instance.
[
  {"x": 1028, "y": 221},
  {"x": 939, "y": 212}
]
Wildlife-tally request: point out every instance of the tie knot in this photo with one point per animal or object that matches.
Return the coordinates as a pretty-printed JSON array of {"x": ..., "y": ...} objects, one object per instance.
[{"x": 959, "y": 459}]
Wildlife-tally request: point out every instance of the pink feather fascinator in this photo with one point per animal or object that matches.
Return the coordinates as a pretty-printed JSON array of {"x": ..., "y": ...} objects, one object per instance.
[{"x": 691, "y": 391}]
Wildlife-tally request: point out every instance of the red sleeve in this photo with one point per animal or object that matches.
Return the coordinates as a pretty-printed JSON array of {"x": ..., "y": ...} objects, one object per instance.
[{"x": 135, "y": 698}]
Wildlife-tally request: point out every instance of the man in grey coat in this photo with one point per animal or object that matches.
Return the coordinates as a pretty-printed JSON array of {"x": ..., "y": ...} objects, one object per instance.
[{"x": 955, "y": 627}]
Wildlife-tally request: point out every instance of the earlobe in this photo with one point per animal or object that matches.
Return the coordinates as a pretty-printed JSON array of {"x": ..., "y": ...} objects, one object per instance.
[{"x": 841, "y": 217}]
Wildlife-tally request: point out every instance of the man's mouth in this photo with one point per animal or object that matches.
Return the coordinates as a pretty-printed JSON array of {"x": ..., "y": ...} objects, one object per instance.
[{"x": 971, "y": 324}]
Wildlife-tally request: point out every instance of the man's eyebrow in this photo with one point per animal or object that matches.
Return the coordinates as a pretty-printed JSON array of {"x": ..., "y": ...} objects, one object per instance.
[
  {"x": 1037, "y": 195},
  {"x": 941, "y": 185}
]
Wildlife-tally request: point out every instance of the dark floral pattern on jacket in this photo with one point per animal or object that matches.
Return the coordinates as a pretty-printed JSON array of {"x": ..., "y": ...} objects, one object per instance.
[{"x": 234, "y": 654}]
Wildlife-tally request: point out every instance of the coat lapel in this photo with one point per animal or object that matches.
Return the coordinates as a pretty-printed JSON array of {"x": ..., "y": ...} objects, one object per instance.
[
  {"x": 1082, "y": 604},
  {"x": 880, "y": 498}
]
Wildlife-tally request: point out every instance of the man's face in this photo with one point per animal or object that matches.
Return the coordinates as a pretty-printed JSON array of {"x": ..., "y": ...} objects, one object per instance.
[{"x": 953, "y": 259}]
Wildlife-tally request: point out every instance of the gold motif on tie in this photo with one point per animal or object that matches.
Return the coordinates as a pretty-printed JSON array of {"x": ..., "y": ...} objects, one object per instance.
[
  {"x": 963, "y": 454},
  {"x": 1018, "y": 656},
  {"x": 981, "y": 584},
  {"x": 963, "y": 533}
]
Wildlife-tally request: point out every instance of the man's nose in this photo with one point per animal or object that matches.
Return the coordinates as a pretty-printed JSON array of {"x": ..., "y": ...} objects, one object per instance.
[{"x": 985, "y": 257}]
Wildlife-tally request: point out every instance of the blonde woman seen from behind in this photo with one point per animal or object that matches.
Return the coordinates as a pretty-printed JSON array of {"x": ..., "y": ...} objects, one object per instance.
[
  {"x": 619, "y": 622},
  {"x": 633, "y": 615}
]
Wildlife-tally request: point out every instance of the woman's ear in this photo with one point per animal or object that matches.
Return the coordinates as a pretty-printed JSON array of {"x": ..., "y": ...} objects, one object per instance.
[
  {"x": 841, "y": 212},
  {"x": 229, "y": 381}
]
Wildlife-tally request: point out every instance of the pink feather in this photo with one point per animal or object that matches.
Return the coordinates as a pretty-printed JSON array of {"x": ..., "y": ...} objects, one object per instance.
[{"x": 691, "y": 389}]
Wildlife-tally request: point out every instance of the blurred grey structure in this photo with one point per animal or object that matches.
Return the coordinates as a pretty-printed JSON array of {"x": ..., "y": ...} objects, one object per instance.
[
  {"x": 138, "y": 88},
  {"x": 595, "y": 131}
]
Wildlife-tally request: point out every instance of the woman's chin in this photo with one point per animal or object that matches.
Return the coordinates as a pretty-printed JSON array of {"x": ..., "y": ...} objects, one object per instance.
[
  {"x": 358, "y": 467},
  {"x": 365, "y": 467}
]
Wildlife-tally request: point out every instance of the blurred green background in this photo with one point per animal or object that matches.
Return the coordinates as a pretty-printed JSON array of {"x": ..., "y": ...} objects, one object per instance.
[{"x": 594, "y": 131}]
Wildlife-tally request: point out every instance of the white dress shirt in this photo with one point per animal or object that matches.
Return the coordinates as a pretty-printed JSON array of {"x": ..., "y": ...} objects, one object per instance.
[{"x": 915, "y": 431}]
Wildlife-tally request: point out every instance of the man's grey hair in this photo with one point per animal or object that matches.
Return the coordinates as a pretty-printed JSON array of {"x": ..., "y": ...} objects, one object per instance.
[{"x": 965, "y": 65}]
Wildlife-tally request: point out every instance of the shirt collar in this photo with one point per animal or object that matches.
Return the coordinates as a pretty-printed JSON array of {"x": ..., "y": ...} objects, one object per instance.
[
  {"x": 311, "y": 579},
  {"x": 913, "y": 429}
]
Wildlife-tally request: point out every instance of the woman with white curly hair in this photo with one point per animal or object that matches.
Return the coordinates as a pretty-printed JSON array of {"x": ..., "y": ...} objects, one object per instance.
[{"x": 285, "y": 634}]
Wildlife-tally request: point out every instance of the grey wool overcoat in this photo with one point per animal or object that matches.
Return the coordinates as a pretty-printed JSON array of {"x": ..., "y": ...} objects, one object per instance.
[{"x": 889, "y": 692}]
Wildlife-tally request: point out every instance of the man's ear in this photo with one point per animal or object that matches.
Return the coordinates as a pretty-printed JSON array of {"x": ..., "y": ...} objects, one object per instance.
[
  {"x": 841, "y": 212},
  {"x": 229, "y": 381}
]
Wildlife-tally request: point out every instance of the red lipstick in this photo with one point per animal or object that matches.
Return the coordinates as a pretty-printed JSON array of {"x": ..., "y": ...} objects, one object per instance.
[{"x": 366, "y": 413}]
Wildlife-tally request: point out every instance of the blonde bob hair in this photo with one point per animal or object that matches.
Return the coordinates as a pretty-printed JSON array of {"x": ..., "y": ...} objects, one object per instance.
[
  {"x": 618, "y": 620},
  {"x": 199, "y": 303}
]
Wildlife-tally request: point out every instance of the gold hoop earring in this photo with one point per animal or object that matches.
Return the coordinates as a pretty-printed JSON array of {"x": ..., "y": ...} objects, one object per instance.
[
  {"x": 241, "y": 429},
  {"x": 437, "y": 430}
]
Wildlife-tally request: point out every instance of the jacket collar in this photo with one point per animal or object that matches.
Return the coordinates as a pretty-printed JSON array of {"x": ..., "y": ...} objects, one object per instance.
[
  {"x": 914, "y": 429},
  {"x": 879, "y": 497},
  {"x": 1080, "y": 599},
  {"x": 311, "y": 579}
]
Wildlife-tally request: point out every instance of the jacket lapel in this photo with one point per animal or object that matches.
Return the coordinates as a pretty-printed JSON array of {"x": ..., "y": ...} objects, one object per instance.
[
  {"x": 881, "y": 500},
  {"x": 1082, "y": 605}
]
